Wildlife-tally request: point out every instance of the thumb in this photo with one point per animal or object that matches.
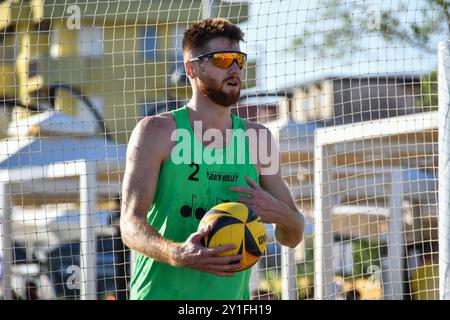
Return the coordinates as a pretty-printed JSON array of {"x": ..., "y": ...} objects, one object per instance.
[{"x": 197, "y": 236}]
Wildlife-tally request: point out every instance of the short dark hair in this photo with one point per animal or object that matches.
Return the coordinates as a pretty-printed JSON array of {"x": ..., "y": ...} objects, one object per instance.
[{"x": 200, "y": 33}]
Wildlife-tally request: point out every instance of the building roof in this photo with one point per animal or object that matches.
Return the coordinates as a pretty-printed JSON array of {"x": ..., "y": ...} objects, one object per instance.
[
  {"x": 52, "y": 136},
  {"x": 51, "y": 123},
  {"x": 145, "y": 11},
  {"x": 57, "y": 138},
  {"x": 288, "y": 90}
]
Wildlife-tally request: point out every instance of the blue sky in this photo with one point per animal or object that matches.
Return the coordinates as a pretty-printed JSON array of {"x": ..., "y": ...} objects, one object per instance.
[{"x": 273, "y": 24}]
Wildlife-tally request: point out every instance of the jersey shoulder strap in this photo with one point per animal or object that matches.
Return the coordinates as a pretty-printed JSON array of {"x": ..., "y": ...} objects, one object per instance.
[{"x": 181, "y": 118}]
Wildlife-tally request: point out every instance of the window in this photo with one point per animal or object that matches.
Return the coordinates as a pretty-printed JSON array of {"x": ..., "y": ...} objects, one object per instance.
[
  {"x": 343, "y": 257},
  {"x": 8, "y": 45},
  {"x": 177, "y": 44},
  {"x": 177, "y": 73},
  {"x": 90, "y": 41},
  {"x": 149, "y": 43}
]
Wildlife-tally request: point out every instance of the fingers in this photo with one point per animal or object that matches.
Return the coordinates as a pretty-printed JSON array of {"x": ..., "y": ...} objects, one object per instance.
[
  {"x": 246, "y": 200},
  {"x": 207, "y": 260},
  {"x": 222, "y": 274},
  {"x": 254, "y": 187},
  {"x": 223, "y": 270},
  {"x": 224, "y": 260},
  {"x": 244, "y": 190},
  {"x": 206, "y": 230},
  {"x": 197, "y": 236},
  {"x": 220, "y": 249},
  {"x": 223, "y": 267},
  {"x": 252, "y": 183}
]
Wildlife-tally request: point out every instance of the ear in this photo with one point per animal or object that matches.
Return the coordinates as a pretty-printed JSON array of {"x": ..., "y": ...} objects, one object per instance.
[{"x": 191, "y": 71}]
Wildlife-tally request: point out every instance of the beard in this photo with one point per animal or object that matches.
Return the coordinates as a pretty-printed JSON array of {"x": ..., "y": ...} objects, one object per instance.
[{"x": 209, "y": 88}]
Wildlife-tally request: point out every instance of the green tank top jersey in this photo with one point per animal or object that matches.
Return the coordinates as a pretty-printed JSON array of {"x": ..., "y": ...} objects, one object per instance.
[{"x": 185, "y": 192}]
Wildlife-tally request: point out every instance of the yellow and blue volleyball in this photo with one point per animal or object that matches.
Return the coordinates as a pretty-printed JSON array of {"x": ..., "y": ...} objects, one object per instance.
[{"x": 235, "y": 223}]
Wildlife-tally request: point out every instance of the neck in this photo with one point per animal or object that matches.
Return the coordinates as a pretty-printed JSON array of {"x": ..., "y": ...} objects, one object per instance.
[{"x": 211, "y": 114}]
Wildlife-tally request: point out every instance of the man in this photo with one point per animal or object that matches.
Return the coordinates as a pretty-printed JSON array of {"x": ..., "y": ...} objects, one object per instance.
[{"x": 164, "y": 198}]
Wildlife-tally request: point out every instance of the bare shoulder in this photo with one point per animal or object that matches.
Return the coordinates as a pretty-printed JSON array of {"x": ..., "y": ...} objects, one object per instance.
[
  {"x": 152, "y": 135},
  {"x": 158, "y": 124},
  {"x": 262, "y": 131}
]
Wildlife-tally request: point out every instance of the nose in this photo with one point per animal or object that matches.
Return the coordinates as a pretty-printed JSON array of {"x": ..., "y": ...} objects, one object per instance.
[{"x": 234, "y": 68}]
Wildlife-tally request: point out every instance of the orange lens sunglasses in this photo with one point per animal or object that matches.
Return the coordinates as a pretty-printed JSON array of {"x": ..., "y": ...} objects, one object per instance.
[{"x": 223, "y": 59}]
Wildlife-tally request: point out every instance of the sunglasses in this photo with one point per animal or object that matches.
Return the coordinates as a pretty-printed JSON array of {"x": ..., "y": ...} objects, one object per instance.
[{"x": 223, "y": 59}]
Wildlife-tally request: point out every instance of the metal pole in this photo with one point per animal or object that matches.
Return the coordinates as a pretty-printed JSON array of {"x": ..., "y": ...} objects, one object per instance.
[
  {"x": 288, "y": 274},
  {"x": 444, "y": 169},
  {"x": 6, "y": 243},
  {"x": 88, "y": 239},
  {"x": 253, "y": 285},
  {"x": 324, "y": 282},
  {"x": 393, "y": 286}
]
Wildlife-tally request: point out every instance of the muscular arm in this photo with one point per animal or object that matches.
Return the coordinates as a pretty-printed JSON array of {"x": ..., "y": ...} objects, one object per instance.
[
  {"x": 272, "y": 199},
  {"x": 274, "y": 204},
  {"x": 289, "y": 222},
  {"x": 145, "y": 153}
]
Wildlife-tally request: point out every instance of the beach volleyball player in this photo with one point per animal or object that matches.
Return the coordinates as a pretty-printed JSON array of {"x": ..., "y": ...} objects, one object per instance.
[{"x": 179, "y": 166}]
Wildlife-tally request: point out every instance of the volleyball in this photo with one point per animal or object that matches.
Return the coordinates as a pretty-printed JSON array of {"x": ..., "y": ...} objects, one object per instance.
[{"x": 235, "y": 223}]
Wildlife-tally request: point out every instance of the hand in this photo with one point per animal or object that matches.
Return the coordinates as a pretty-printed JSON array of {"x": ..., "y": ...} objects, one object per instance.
[
  {"x": 192, "y": 254},
  {"x": 269, "y": 209}
]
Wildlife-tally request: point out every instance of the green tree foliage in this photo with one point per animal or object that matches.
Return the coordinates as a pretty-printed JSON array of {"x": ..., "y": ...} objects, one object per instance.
[
  {"x": 365, "y": 255},
  {"x": 429, "y": 90}
]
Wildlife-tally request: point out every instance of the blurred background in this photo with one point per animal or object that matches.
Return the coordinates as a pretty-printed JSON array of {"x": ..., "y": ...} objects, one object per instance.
[{"x": 76, "y": 77}]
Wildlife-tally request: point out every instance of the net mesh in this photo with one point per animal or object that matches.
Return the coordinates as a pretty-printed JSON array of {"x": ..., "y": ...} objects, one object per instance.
[{"x": 76, "y": 77}]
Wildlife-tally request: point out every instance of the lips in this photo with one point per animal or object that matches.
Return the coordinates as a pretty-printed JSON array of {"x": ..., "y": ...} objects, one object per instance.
[{"x": 233, "y": 82}]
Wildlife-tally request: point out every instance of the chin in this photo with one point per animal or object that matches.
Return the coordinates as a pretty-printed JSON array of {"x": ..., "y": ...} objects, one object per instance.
[{"x": 234, "y": 91}]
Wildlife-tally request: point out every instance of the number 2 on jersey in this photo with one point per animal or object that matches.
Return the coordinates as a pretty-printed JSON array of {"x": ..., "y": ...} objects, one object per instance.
[{"x": 196, "y": 170}]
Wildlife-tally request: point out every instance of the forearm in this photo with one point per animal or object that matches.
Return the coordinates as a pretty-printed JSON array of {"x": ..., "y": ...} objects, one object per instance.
[
  {"x": 289, "y": 230},
  {"x": 138, "y": 235}
]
